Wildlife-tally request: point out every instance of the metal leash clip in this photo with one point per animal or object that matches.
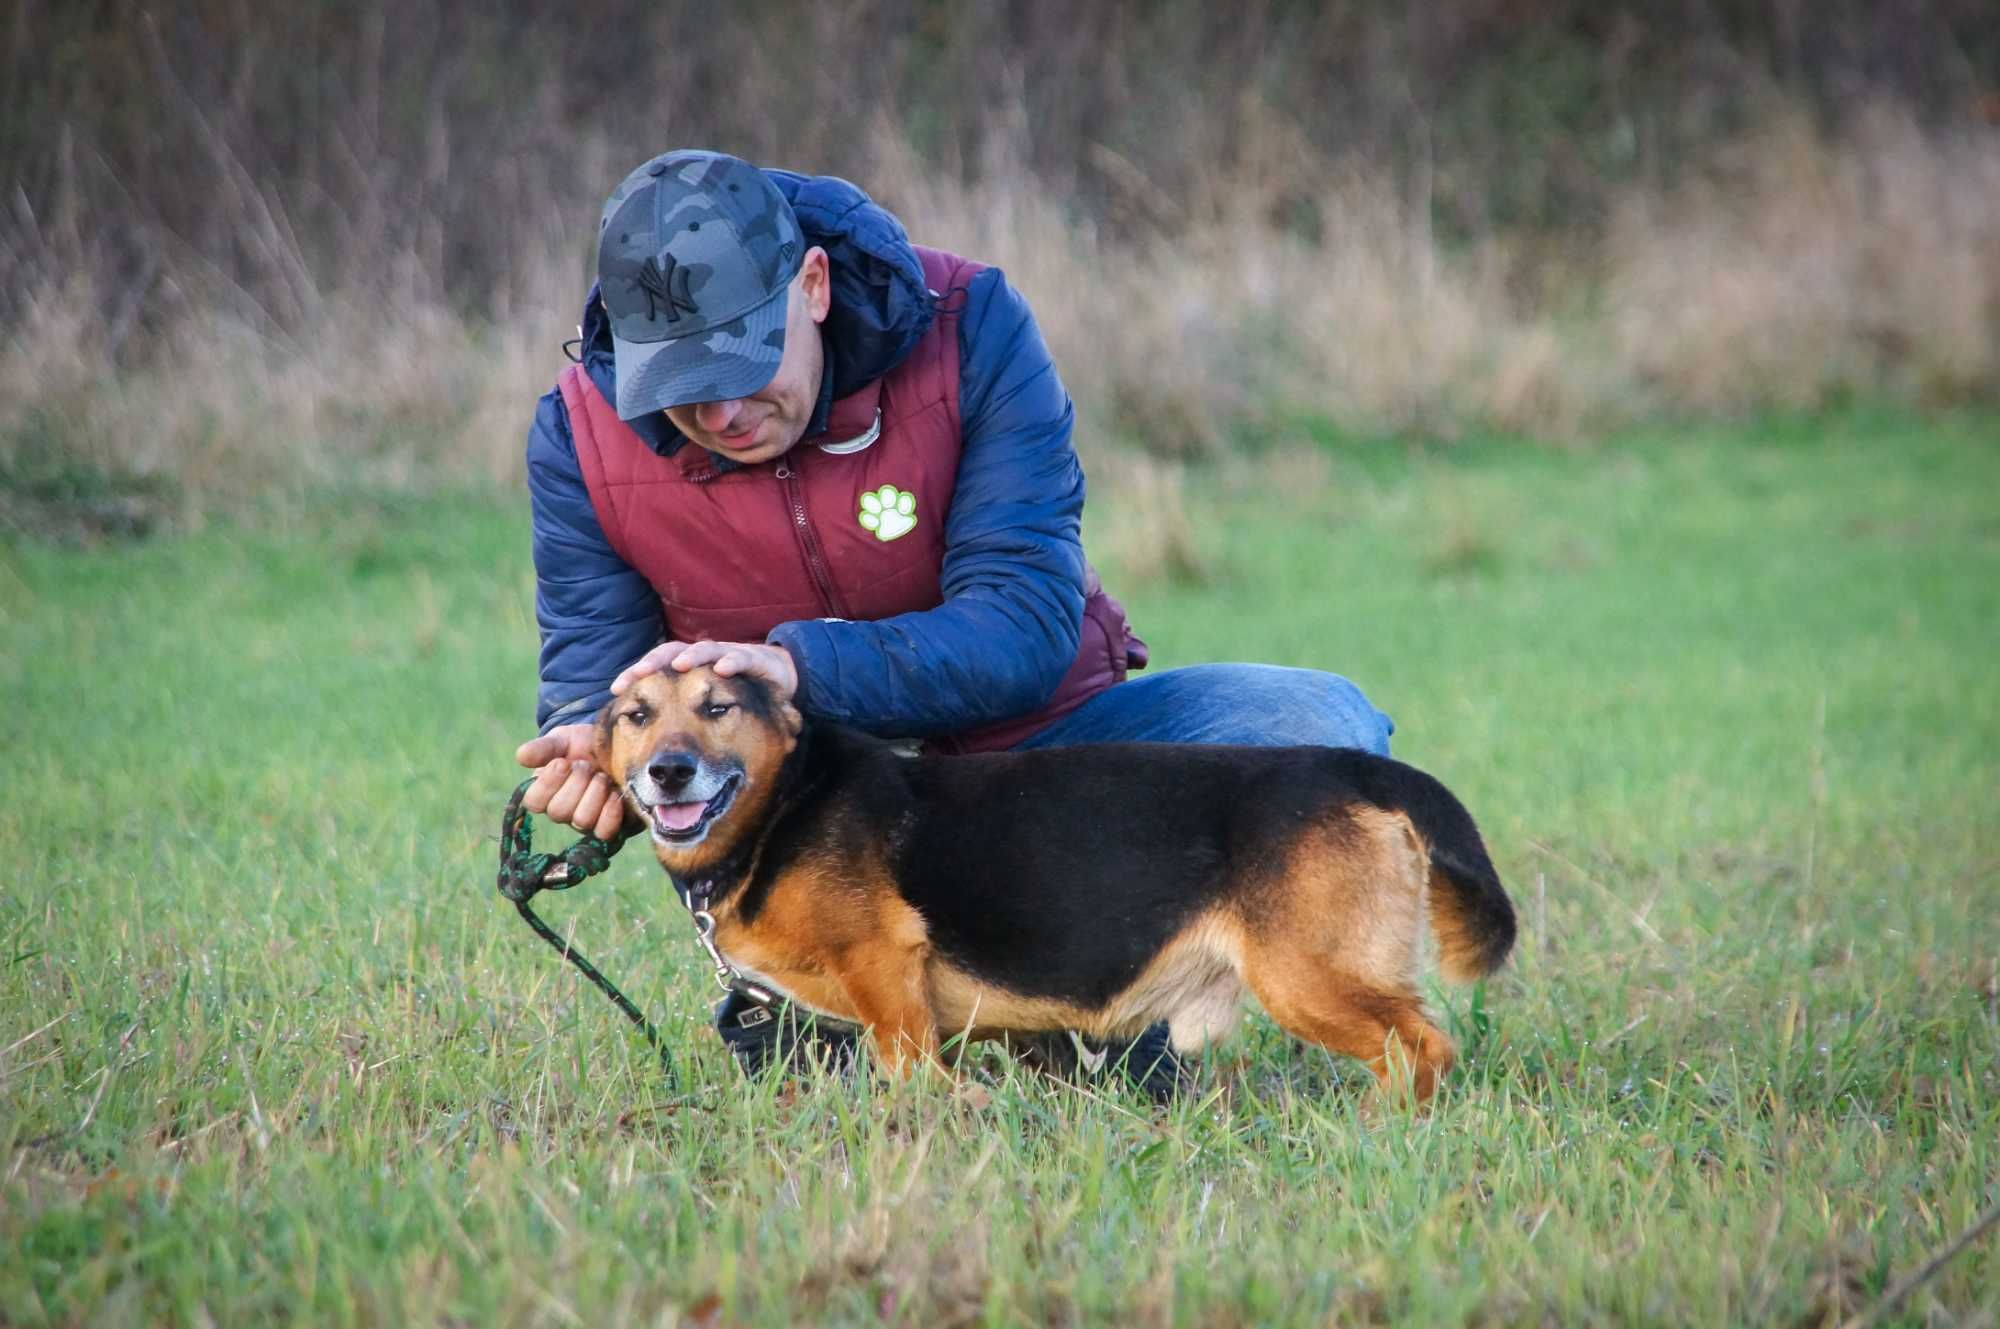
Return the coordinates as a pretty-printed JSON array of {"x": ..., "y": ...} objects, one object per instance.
[{"x": 727, "y": 976}]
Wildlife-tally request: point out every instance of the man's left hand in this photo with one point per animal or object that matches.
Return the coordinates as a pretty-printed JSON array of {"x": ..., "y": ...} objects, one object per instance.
[{"x": 756, "y": 659}]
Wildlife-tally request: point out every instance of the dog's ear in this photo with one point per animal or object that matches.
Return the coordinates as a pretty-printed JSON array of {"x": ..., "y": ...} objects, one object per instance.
[
  {"x": 600, "y": 747},
  {"x": 758, "y": 698}
]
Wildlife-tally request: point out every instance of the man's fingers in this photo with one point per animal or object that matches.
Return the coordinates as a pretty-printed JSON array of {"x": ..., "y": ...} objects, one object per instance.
[
  {"x": 773, "y": 664},
  {"x": 574, "y": 793},
  {"x": 564, "y": 741},
  {"x": 770, "y": 663},
  {"x": 563, "y": 806},
  {"x": 547, "y": 780},
  {"x": 736, "y": 662},
  {"x": 696, "y": 654},
  {"x": 652, "y": 662},
  {"x": 612, "y": 818},
  {"x": 591, "y": 806},
  {"x": 539, "y": 751}
]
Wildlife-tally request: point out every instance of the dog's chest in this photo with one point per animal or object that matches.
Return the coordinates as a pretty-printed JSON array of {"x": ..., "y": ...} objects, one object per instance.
[{"x": 804, "y": 983}]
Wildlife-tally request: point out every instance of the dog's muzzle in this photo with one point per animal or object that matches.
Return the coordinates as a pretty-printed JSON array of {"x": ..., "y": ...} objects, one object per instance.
[{"x": 682, "y": 795}]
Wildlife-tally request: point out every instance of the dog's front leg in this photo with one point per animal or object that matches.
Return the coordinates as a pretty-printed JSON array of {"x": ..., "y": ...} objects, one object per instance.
[{"x": 889, "y": 992}]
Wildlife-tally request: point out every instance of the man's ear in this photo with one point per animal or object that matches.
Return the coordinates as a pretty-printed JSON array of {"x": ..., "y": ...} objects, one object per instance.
[
  {"x": 790, "y": 719},
  {"x": 816, "y": 284}
]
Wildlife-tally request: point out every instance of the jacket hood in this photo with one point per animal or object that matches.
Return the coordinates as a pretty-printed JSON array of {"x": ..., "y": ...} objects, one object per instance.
[{"x": 881, "y": 307}]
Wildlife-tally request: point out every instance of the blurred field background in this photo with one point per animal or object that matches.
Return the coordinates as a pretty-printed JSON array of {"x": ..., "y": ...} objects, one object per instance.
[
  {"x": 247, "y": 247},
  {"x": 1609, "y": 388}
]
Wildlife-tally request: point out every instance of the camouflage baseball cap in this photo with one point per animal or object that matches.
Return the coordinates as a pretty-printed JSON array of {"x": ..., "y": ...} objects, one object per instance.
[{"x": 695, "y": 253}]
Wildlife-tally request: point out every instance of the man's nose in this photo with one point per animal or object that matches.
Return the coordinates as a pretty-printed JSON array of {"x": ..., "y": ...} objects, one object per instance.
[{"x": 715, "y": 417}]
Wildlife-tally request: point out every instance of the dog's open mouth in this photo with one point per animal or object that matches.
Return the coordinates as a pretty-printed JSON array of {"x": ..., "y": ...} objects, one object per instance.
[{"x": 681, "y": 822}]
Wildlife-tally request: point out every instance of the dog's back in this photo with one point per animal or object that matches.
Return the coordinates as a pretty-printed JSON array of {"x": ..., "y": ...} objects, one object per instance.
[{"x": 1012, "y": 844}]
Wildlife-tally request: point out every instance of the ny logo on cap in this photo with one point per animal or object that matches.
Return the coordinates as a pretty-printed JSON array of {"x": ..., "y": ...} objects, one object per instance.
[{"x": 670, "y": 286}]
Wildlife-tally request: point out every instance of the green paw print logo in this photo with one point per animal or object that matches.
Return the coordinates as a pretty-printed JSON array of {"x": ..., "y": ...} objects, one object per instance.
[{"x": 889, "y": 512}]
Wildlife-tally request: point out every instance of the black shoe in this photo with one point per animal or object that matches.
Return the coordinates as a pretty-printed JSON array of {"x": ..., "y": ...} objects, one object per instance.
[
  {"x": 1148, "y": 1061},
  {"x": 758, "y": 1035}
]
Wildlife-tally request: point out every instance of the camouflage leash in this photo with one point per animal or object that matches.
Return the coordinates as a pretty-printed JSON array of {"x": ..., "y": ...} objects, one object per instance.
[{"x": 524, "y": 873}]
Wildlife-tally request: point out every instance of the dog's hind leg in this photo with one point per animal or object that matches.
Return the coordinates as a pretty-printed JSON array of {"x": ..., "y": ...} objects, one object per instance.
[
  {"x": 1331, "y": 950},
  {"x": 1384, "y": 1029}
]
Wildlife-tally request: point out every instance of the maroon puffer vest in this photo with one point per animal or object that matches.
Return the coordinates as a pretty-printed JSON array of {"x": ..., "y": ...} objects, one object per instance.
[{"x": 735, "y": 553}]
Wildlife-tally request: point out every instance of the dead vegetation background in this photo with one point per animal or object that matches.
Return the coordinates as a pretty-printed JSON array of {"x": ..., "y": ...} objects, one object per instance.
[{"x": 250, "y": 249}]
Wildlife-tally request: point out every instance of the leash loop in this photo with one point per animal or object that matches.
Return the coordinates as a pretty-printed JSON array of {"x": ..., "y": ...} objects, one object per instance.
[{"x": 525, "y": 873}]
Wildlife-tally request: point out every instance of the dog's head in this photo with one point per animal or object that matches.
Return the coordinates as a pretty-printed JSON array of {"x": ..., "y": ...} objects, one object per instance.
[{"x": 697, "y": 757}]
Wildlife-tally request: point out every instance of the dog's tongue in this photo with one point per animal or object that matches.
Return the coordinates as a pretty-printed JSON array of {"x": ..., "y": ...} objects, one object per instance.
[{"x": 677, "y": 816}]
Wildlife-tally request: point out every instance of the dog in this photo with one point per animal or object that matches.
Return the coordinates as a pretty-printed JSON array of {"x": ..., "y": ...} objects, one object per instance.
[{"x": 1096, "y": 888}]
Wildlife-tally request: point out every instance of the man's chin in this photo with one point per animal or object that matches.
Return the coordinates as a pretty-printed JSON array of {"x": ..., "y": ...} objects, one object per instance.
[{"x": 757, "y": 451}]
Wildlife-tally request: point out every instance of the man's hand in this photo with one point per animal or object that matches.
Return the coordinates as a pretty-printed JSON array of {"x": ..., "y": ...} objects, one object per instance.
[
  {"x": 756, "y": 659},
  {"x": 568, "y": 786}
]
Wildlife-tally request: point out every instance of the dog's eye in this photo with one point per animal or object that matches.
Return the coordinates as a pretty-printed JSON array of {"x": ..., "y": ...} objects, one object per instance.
[
  {"x": 715, "y": 710},
  {"x": 638, "y": 717}
]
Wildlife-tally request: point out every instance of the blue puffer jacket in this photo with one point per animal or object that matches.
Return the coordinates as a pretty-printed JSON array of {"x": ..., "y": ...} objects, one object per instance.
[{"x": 1013, "y": 573}]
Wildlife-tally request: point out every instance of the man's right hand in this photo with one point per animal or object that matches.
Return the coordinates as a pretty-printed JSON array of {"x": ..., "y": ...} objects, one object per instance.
[{"x": 568, "y": 787}]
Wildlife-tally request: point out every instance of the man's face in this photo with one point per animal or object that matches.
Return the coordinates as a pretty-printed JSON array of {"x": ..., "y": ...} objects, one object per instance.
[{"x": 769, "y": 422}]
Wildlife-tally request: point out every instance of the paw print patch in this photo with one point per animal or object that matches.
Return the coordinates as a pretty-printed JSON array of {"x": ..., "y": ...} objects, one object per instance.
[{"x": 889, "y": 512}]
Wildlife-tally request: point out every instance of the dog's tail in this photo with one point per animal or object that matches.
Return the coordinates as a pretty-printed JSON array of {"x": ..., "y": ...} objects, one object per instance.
[{"x": 1470, "y": 913}]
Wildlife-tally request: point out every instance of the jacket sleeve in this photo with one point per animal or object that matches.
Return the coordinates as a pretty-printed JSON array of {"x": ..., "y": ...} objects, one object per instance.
[
  {"x": 1013, "y": 571},
  {"x": 597, "y": 614}
]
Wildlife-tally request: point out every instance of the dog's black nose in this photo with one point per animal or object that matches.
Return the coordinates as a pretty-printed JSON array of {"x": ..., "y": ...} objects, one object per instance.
[{"x": 671, "y": 770}]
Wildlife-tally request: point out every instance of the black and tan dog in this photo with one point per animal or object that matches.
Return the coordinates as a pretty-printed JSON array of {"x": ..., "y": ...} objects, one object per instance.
[{"x": 1095, "y": 888}]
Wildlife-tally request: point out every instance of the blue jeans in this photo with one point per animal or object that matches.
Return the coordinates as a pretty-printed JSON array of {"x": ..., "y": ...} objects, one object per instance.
[{"x": 1254, "y": 704}]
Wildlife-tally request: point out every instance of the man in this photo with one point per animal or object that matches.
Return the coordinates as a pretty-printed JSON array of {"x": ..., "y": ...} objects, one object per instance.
[{"x": 797, "y": 446}]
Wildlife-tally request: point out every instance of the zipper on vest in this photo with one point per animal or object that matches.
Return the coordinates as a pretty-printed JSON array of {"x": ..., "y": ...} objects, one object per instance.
[{"x": 809, "y": 547}]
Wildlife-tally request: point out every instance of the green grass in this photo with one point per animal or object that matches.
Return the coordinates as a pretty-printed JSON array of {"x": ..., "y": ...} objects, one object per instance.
[{"x": 275, "y": 1052}]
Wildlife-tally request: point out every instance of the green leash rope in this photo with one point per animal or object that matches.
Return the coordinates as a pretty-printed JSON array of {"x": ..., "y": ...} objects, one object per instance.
[{"x": 525, "y": 873}]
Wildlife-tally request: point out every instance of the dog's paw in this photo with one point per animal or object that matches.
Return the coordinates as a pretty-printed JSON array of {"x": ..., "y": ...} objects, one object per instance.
[{"x": 889, "y": 512}]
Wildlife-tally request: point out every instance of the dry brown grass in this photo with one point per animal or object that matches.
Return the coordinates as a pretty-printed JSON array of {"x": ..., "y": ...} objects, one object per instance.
[
  {"x": 1794, "y": 271},
  {"x": 381, "y": 391}
]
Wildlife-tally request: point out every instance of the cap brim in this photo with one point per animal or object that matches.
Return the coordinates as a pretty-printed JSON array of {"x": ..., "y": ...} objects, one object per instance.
[{"x": 733, "y": 359}]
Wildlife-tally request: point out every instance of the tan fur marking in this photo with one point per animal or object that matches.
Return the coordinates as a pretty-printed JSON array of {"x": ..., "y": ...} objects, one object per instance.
[
  {"x": 964, "y": 1003},
  {"x": 1193, "y": 983}
]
